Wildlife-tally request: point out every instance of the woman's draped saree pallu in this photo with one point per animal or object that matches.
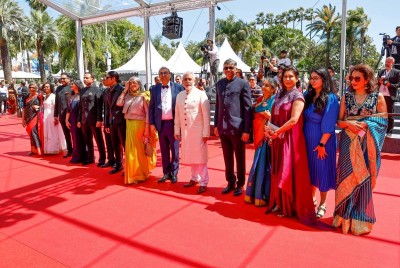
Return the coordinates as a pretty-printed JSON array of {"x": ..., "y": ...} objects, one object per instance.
[
  {"x": 31, "y": 117},
  {"x": 358, "y": 168}
]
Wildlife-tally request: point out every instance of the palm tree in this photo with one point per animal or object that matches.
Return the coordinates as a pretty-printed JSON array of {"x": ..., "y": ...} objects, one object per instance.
[
  {"x": 261, "y": 19},
  {"x": 10, "y": 17},
  {"x": 36, "y": 5},
  {"x": 45, "y": 31},
  {"x": 326, "y": 20}
]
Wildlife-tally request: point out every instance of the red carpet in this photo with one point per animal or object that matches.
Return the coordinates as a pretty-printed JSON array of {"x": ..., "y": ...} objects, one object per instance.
[{"x": 53, "y": 213}]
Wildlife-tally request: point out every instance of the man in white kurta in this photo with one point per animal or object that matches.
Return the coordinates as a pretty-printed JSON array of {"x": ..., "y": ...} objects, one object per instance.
[{"x": 192, "y": 128}]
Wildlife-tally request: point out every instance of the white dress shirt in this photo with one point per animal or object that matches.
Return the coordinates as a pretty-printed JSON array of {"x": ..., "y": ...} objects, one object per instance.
[{"x": 166, "y": 102}]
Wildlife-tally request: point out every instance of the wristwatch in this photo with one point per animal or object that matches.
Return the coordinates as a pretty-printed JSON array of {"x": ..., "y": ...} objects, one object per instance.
[{"x": 321, "y": 144}]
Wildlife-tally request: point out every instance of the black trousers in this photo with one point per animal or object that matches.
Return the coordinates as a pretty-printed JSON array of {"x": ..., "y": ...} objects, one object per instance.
[
  {"x": 396, "y": 62},
  {"x": 118, "y": 133},
  {"x": 390, "y": 109},
  {"x": 67, "y": 134},
  {"x": 110, "y": 147},
  {"x": 90, "y": 130},
  {"x": 232, "y": 145}
]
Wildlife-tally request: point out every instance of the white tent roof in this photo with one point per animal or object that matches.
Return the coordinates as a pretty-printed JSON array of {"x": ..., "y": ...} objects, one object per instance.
[
  {"x": 226, "y": 52},
  {"x": 138, "y": 62},
  {"x": 181, "y": 62},
  {"x": 20, "y": 75}
]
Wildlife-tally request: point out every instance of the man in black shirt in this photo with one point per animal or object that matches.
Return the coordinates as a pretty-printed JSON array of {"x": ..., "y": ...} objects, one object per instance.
[
  {"x": 63, "y": 92},
  {"x": 394, "y": 48}
]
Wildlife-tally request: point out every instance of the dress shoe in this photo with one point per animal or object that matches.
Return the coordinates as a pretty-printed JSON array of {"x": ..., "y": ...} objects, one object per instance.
[
  {"x": 201, "y": 189},
  {"x": 108, "y": 164},
  {"x": 88, "y": 162},
  {"x": 238, "y": 191},
  {"x": 100, "y": 164},
  {"x": 191, "y": 183},
  {"x": 163, "y": 178},
  {"x": 67, "y": 155},
  {"x": 115, "y": 170},
  {"x": 229, "y": 188},
  {"x": 173, "y": 178}
]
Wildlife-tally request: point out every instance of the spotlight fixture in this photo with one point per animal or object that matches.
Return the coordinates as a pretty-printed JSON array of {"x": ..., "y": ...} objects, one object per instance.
[{"x": 172, "y": 26}]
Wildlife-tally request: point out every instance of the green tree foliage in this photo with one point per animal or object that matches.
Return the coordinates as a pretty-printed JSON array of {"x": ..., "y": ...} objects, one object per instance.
[
  {"x": 37, "y": 5},
  {"x": 165, "y": 51},
  {"x": 46, "y": 35},
  {"x": 11, "y": 16}
]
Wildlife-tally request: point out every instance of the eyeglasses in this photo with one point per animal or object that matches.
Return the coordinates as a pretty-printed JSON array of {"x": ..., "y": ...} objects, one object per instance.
[
  {"x": 107, "y": 77},
  {"x": 63, "y": 78},
  {"x": 163, "y": 73},
  {"x": 315, "y": 78},
  {"x": 355, "y": 78},
  {"x": 229, "y": 68},
  {"x": 32, "y": 88}
]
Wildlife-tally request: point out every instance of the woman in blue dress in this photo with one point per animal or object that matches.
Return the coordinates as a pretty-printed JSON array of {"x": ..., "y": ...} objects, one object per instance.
[
  {"x": 320, "y": 115},
  {"x": 259, "y": 182}
]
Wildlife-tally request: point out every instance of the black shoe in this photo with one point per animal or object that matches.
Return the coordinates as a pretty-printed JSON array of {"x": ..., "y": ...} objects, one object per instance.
[
  {"x": 229, "y": 188},
  {"x": 85, "y": 163},
  {"x": 115, "y": 170},
  {"x": 173, "y": 178},
  {"x": 108, "y": 164},
  {"x": 238, "y": 191},
  {"x": 100, "y": 164},
  {"x": 191, "y": 183},
  {"x": 67, "y": 155},
  {"x": 201, "y": 189},
  {"x": 163, "y": 178}
]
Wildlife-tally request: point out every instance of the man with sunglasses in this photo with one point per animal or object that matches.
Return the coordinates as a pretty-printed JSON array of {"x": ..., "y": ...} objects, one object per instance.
[
  {"x": 63, "y": 92},
  {"x": 90, "y": 119},
  {"x": 389, "y": 81},
  {"x": 114, "y": 120},
  {"x": 161, "y": 118},
  {"x": 232, "y": 123}
]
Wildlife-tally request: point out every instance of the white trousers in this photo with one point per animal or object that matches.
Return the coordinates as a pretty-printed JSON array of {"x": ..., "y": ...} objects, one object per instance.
[{"x": 200, "y": 173}]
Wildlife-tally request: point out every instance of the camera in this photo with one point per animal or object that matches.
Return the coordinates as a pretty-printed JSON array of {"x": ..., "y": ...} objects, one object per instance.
[
  {"x": 385, "y": 38},
  {"x": 264, "y": 55},
  {"x": 204, "y": 48}
]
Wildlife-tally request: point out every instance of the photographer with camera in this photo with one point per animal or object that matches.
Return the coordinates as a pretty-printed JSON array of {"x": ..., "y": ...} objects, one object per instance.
[
  {"x": 211, "y": 51},
  {"x": 270, "y": 66},
  {"x": 389, "y": 81},
  {"x": 394, "y": 48}
]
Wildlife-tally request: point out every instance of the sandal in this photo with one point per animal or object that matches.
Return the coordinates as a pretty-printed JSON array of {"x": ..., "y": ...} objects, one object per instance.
[
  {"x": 321, "y": 211},
  {"x": 315, "y": 202}
]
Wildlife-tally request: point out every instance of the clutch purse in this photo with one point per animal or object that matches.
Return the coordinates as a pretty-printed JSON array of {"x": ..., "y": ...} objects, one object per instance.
[{"x": 148, "y": 149}]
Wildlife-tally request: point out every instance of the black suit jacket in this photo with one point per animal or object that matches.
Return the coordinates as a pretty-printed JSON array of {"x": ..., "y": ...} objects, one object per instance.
[
  {"x": 112, "y": 113},
  {"x": 91, "y": 106},
  {"x": 155, "y": 106},
  {"x": 394, "y": 79},
  {"x": 233, "y": 110},
  {"x": 61, "y": 103}
]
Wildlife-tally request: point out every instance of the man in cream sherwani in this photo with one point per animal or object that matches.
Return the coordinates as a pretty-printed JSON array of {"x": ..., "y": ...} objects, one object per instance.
[{"x": 192, "y": 128}]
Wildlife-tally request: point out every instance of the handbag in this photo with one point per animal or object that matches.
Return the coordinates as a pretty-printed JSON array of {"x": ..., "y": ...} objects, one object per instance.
[{"x": 148, "y": 149}]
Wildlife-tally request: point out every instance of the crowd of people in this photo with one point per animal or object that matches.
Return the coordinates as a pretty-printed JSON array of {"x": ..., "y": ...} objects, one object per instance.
[{"x": 293, "y": 133}]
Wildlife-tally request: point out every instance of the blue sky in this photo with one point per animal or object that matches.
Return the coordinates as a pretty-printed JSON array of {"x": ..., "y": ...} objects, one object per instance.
[{"x": 384, "y": 15}]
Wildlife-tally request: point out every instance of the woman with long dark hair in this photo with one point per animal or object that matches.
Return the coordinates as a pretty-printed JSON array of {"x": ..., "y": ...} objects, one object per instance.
[
  {"x": 320, "y": 116},
  {"x": 79, "y": 147},
  {"x": 259, "y": 181},
  {"x": 363, "y": 118},
  {"x": 290, "y": 181},
  {"x": 30, "y": 119},
  {"x": 53, "y": 136}
]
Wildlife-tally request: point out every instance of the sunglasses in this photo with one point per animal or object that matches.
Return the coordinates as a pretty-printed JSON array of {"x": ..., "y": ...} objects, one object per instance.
[
  {"x": 229, "y": 68},
  {"x": 355, "y": 78}
]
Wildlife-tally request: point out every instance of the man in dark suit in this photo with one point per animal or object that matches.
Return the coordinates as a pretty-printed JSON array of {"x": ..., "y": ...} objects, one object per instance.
[
  {"x": 389, "y": 81},
  {"x": 161, "y": 117},
  {"x": 107, "y": 136},
  {"x": 232, "y": 123},
  {"x": 114, "y": 121},
  {"x": 90, "y": 119},
  {"x": 394, "y": 48},
  {"x": 60, "y": 109}
]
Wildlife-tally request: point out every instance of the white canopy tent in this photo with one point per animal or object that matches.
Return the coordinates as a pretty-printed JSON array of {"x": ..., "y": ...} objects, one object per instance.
[
  {"x": 138, "y": 63},
  {"x": 226, "y": 52},
  {"x": 21, "y": 75},
  {"x": 180, "y": 62}
]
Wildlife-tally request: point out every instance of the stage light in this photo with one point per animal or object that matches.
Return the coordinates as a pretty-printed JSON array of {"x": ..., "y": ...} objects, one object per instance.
[{"x": 172, "y": 26}]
